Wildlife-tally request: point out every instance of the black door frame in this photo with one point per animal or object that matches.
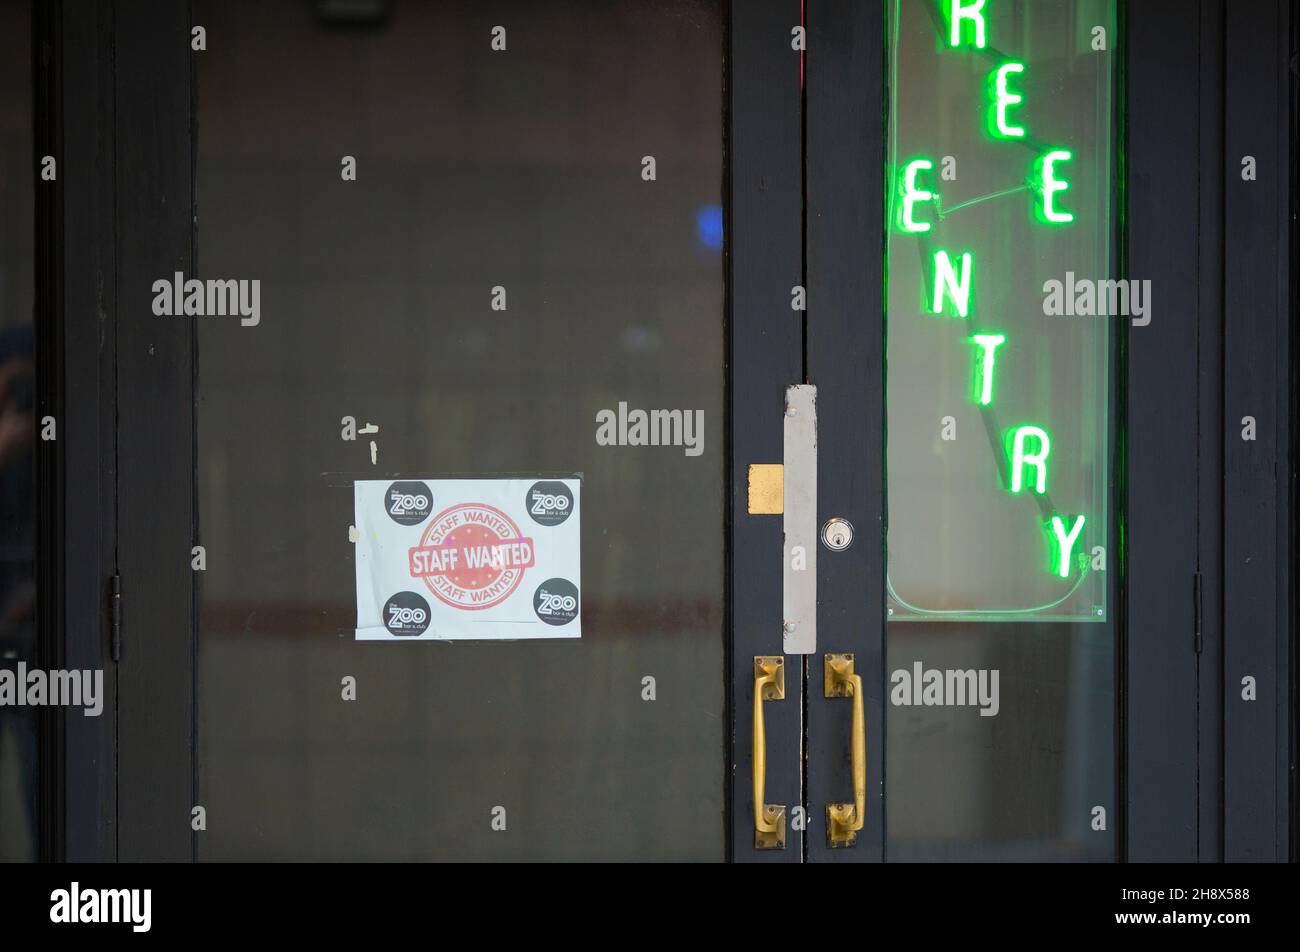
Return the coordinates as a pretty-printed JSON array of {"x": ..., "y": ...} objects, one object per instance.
[
  {"x": 156, "y": 715},
  {"x": 1204, "y": 774},
  {"x": 764, "y": 222},
  {"x": 76, "y": 384},
  {"x": 845, "y": 359},
  {"x": 1259, "y": 582},
  {"x": 1162, "y": 799},
  {"x": 1209, "y": 775},
  {"x": 113, "y": 96}
]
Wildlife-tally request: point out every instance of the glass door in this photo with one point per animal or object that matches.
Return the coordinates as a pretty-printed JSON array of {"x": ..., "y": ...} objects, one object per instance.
[
  {"x": 964, "y": 320},
  {"x": 460, "y": 450}
]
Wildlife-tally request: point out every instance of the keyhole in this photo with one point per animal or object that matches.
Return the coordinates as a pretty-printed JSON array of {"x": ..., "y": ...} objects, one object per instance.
[{"x": 837, "y": 534}]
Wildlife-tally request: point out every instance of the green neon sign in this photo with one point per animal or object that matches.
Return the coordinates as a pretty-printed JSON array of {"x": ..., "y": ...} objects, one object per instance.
[
  {"x": 988, "y": 345},
  {"x": 982, "y": 174},
  {"x": 965, "y": 17},
  {"x": 914, "y": 194},
  {"x": 1049, "y": 183},
  {"x": 946, "y": 279},
  {"x": 1030, "y": 447},
  {"x": 1063, "y": 543},
  {"x": 1003, "y": 99}
]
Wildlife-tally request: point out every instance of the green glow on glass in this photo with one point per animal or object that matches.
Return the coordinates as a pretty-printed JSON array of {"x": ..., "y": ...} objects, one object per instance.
[
  {"x": 912, "y": 194},
  {"x": 1020, "y": 458},
  {"x": 988, "y": 343},
  {"x": 1002, "y": 99},
  {"x": 1064, "y": 543},
  {"x": 945, "y": 276},
  {"x": 1049, "y": 185},
  {"x": 958, "y": 11}
]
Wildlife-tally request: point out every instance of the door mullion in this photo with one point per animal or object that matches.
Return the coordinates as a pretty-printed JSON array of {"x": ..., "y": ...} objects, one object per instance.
[
  {"x": 845, "y": 166},
  {"x": 764, "y": 262},
  {"x": 155, "y": 453}
]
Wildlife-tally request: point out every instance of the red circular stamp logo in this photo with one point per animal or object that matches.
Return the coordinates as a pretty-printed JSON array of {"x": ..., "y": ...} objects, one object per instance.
[{"x": 471, "y": 556}]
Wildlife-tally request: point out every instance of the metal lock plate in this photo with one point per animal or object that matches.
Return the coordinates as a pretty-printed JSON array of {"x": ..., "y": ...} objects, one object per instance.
[{"x": 799, "y": 591}]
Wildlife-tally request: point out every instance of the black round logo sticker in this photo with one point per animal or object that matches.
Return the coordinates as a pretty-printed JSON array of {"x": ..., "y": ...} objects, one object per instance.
[
  {"x": 406, "y": 614},
  {"x": 549, "y": 502},
  {"x": 409, "y": 503},
  {"x": 556, "y": 601}
]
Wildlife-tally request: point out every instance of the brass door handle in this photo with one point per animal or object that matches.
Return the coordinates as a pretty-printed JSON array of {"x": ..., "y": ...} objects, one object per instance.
[
  {"x": 769, "y": 819},
  {"x": 844, "y": 820}
]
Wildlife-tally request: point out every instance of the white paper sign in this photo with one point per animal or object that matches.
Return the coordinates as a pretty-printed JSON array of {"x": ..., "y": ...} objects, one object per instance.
[{"x": 468, "y": 559}]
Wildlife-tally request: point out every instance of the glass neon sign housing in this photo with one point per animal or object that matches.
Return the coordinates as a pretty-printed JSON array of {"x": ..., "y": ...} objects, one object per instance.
[{"x": 1001, "y": 167}]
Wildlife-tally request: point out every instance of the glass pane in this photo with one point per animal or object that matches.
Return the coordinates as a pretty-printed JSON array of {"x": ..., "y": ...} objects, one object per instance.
[
  {"x": 1000, "y": 337},
  {"x": 18, "y": 761},
  {"x": 502, "y": 274}
]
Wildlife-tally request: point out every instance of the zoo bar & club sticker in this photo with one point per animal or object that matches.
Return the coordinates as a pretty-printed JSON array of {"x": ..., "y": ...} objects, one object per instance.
[{"x": 468, "y": 559}]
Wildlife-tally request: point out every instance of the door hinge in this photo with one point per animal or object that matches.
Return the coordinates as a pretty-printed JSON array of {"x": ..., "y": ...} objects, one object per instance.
[
  {"x": 1196, "y": 612},
  {"x": 115, "y": 616}
]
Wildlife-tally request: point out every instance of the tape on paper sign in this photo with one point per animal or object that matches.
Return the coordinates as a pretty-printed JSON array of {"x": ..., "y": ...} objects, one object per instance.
[{"x": 468, "y": 559}]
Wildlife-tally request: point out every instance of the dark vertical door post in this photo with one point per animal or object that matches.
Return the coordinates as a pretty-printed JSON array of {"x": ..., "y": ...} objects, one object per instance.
[
  {"x": 765, "y": 248},
  {"x": 76, "y": 377},
  {"x": 155, "y": 368},
  {"x": 1259, "y": 578},
  {"x": 89, "y": 477},
  {"x": 1169, "y": 177},
  {"x": 845, "y": 247}
]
